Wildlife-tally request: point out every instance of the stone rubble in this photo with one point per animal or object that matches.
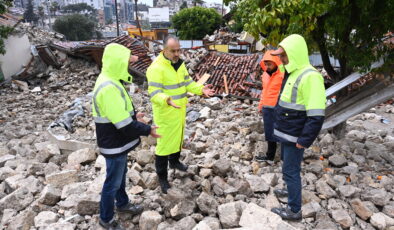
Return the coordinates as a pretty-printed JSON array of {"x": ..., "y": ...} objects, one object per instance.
[{"x": 48, "y": 183}]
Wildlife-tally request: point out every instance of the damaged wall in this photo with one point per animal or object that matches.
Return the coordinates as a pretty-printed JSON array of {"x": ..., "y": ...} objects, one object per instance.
[{"x": 17, "y": 55}]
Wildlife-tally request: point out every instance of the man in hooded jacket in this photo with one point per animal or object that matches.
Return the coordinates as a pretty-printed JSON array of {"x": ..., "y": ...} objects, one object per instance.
[
  {"x": 272, "y": 82},
  {"x": 169, "y": 82},
  {"x": 299, "y": 118},
  {"x": 118, "y": 131}
]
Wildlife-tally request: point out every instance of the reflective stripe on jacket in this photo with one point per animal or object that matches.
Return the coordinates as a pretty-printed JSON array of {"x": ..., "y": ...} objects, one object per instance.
[
  {"x": 301, "y": 107},
  {"x": 164, "y": 81}
]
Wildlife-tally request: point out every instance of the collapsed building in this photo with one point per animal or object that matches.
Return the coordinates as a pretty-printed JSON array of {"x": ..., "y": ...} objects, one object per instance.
[{"x": 51, "y": 178}]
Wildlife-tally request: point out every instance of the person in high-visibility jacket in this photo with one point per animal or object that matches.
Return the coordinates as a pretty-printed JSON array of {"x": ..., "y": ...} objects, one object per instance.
[
  {"x": 168, "y": 84},
  {"x": 272, "y": 82},
  {"x": 118, "y": 130},
  {"x": 299, "y": 118}
]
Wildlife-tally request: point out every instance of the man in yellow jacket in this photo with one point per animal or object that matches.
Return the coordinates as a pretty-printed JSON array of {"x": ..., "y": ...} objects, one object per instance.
[
  {"x": 118, "y": 131},
  {"x": 169, "y": 82}
]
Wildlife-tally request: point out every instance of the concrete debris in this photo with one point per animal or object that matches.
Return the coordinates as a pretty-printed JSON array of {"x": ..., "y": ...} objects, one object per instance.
[{"x": 51, "y": 178}]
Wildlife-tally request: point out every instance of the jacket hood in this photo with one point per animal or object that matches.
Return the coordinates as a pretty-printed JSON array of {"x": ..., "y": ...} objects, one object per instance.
[
  {"x": 297, "y": 52},
  {"x": 268, "y": 57},
  {"x": 116, "y": 62}
]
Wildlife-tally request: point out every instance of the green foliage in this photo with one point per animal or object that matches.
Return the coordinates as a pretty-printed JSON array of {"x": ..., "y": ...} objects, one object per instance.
[
  {"x": 75, "y": 27},
  {"x": 78, "y": 8},
  {"x": 109, "y": 21},
  {"x": 54, "y": 7},
  {"x": 183, "y": 6},
  {"x": 196, "y": 22},
  {"x": 4, "y": 30},
  {"x": 236, "y": 20},
  {"x": 29, "y": 14},
  {"x": 349, "y": 30}
]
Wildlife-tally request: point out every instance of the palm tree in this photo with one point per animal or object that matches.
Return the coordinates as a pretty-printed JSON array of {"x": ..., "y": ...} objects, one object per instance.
[
  {"x": 41, "y": 13},
  {"x": 54, "y": 7}
]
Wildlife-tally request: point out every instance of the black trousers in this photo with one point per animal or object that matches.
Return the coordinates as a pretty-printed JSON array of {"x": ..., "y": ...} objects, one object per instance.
[{"x": 161, "y": 163}]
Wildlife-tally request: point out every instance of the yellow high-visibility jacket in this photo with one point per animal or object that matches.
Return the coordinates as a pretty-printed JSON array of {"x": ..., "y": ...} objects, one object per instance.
[{"x": 164, "y": 81}]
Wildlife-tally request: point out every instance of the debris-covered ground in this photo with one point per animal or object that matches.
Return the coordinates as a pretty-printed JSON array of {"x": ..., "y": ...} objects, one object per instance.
[{"x": 53, "y": 181}]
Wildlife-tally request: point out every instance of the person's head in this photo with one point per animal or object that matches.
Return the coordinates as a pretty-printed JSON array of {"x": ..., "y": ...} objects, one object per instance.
[
  {"x": 281, "y": 53},
  {"x": 172, "y": 49},
  {"x": 115, "y": 62},
  {"x": 270, "y": 66},
  {"x": 270, "y": 63},
  {"x": 293, "y": 52}
]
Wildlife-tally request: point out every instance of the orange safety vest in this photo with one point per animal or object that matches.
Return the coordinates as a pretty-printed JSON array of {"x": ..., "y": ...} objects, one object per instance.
[{"x": 271, "y": 84}]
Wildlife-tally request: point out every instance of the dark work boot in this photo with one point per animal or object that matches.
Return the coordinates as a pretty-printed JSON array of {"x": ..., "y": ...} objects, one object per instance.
[
  {"x": 271, "y": 150},
  {"x": 161, "y": 164},
  {"x": 175, "y": 163},
  {"x": 132, "y": 209},
  {"x": 287, "y": 214},
  {"x": 281, "y": 192}
]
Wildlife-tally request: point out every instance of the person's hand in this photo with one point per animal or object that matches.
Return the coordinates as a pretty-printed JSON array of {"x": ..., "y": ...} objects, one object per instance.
[
  {"x": 133, "y": 59},
  {"x": 208, "y": 91},
  {"x": 299, "y": 146},
  {"x": 153, "y": 132},
  {"x": 170, "y": 102},
  {"x": 140, "y": 117}
]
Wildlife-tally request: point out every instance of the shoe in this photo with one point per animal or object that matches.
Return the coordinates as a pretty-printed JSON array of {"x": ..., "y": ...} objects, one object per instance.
[
  {"x": 132, "y": 209},
  {"x": 287, "y": 214},
  {"x": 281, "y": 192},
  {"x": 111, "y": 225},
  {"x": 164, "y": 185},
  {"x": 175, "y": 163},
  {"x": 263, "y": 158},
  {"x": 178, "y": 165}
]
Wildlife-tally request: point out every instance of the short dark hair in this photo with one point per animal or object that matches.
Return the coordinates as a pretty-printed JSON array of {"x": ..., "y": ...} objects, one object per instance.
[{"x": 169, "y": 37}]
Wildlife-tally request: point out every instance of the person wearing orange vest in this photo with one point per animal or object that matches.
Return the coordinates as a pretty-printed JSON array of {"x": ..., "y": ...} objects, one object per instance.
[{"x": 272, "y": 82}]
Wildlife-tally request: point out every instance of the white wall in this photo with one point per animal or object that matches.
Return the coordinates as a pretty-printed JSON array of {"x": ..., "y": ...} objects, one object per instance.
[{"x": 17, "y": 55}]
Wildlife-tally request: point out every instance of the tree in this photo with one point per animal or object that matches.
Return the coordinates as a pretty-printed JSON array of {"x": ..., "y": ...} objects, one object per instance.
[
  {"x": 183, "y": 6},
  {"x": 349, "y": 30},
  {"x": 54, "y": 7},
  {"x": 4, "y": 30},
  {"x": 78, "y": 8},
  {"x": 75, "y": 27},
  {"x": 41, "y": 14},
  {"x": 196, "y": 22},
  {"x": 29, "y": 15},
  {"x": 234, "y": 22},
  {"x": 109, "y": 21}
]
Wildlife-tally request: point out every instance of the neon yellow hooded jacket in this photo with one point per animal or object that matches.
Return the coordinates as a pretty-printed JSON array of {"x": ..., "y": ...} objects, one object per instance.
[
  {"x": 117, "y": 128},
  {"x": 301, "y": 107},
  {"x": 164, "y": 81}
]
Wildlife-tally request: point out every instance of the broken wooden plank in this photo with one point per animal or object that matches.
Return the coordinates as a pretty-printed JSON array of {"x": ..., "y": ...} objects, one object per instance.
[
  {"x": 204, "y": 79},
  {"x": 225, "y": 84}
]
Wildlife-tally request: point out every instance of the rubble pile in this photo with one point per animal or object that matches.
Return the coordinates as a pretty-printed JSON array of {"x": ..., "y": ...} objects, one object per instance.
[
  {"x": 193, "y": 57},
  {"x": 347, "y": 183},
  {"x": 37, "y": 35},
  {"x": 242, "y": 73},
  {"x": 51, "y": 178},
  {"x": 222, "y": 37},
  {"x": 94, "y": 50}
]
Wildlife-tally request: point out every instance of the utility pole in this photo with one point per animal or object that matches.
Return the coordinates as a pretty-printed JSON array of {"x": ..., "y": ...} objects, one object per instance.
[
  {"x": 136, "y": 16},
  {"x": 49, "y": 14},
  {"x": 222, "y": 7},
  {"x": 116, "y": 16}
]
